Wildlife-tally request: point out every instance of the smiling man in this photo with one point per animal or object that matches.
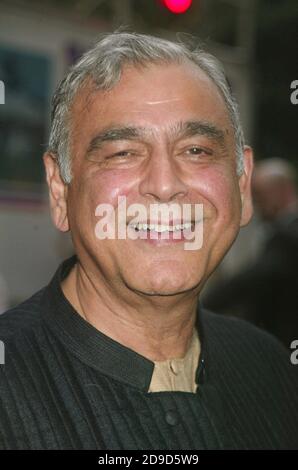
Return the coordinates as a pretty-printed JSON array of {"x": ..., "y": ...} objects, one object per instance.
[{"x": 116, "y": 352}]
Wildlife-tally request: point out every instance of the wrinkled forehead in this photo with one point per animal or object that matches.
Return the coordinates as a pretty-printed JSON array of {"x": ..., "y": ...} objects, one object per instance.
[{"x": 157, "y": 92}]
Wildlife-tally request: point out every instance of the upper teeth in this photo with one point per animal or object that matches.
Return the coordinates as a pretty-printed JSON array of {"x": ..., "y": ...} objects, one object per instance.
[{"x": 160, "y": 227}]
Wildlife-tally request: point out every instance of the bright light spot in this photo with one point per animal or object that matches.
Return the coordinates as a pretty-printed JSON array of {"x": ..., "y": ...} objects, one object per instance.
[{"x": 177, "y": 6}]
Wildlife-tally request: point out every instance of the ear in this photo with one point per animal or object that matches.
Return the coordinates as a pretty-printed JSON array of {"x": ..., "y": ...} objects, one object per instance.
[
  {"x": 57, "y": 192},
  {"x": 245, "y": 186}
]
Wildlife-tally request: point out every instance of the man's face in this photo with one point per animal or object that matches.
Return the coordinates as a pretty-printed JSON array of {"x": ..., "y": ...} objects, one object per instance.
[{"x": 172, "y": 142}]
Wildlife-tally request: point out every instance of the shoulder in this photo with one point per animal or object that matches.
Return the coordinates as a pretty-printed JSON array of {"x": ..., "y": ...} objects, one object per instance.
[
  {"x": 22, "y": 319},
  {"x": 253, "y": 374},
  {"x": 244, "y": 345},
  {"x": 235, "y": 330},
  {"x": 23, "y": 344}
]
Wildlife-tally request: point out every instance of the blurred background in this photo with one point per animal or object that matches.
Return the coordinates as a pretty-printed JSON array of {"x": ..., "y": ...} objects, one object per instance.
[{"x": 256, "y": 40}]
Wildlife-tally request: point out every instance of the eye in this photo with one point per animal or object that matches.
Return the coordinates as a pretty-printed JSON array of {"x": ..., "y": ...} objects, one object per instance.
[
  {"x": 198, "y": 151},
  {"x": 121, "y": 154}
]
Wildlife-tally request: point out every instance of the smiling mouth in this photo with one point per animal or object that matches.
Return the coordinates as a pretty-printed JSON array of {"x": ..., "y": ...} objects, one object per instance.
[{"x": 162, "y": 228}]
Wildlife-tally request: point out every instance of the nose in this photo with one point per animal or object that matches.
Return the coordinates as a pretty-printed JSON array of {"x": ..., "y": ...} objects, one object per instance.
[{"x": 162, "y": 180}]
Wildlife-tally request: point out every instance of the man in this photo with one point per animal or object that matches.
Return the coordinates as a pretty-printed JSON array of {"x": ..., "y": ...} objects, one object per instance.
[
  {"x": 116, "y": 353},
  {"x": 265, "y": 292}
]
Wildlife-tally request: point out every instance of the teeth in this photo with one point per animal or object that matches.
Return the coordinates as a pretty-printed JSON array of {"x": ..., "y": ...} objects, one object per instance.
[{"x": 161, "y": 228}]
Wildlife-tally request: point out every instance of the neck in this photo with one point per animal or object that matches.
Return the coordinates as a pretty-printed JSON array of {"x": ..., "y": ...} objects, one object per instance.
[{"x": 156, "y": 327}]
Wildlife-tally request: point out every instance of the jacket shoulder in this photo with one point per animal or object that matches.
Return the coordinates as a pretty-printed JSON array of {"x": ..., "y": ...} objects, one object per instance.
[
  {"x": 21, "y": 318},
  {"x": 247, "y": 343}
]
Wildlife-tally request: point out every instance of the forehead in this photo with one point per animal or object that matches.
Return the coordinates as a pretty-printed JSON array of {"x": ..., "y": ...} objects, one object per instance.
[{"x": 155, "y": 95}]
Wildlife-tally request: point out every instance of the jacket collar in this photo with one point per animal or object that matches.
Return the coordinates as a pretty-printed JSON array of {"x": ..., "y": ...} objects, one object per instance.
[{"x": 93, "y": 347}]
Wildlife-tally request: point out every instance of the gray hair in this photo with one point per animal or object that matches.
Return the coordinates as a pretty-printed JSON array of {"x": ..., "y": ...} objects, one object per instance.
[{"x": 103, "y": 64}]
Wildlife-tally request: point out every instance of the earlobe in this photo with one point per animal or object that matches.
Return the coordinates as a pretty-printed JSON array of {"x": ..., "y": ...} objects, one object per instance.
[
  {"x": 245, "y": 187},
  {"x": 57, "y": 192}
]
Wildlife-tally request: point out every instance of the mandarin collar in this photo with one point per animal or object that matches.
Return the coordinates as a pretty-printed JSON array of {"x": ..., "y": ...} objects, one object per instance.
[{"x": 93, "y": 347}]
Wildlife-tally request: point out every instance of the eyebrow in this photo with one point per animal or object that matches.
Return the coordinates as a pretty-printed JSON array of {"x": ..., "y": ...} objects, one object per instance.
[{"x": 178, "y": 131}]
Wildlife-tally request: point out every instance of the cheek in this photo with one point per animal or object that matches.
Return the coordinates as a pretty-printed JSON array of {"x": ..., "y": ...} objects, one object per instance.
[
  {"x": 102, "y": 187},
  {"x": 106, "y": 187},
  {"x": 219, "y": 189}
]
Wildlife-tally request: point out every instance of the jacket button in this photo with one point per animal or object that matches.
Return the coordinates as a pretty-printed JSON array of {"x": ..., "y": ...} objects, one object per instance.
[{"x": 172, "y": 417}]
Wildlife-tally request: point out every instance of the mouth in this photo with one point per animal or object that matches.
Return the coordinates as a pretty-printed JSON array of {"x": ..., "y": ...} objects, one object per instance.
[
  {"x": 163, "y": 234},
  {"x": 161, "y": 228}
]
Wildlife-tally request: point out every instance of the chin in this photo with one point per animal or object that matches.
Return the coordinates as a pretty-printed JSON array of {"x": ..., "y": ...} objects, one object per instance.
[
  {"x": 165, "y": 276},
  {"x": 165, "y": 285}
]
